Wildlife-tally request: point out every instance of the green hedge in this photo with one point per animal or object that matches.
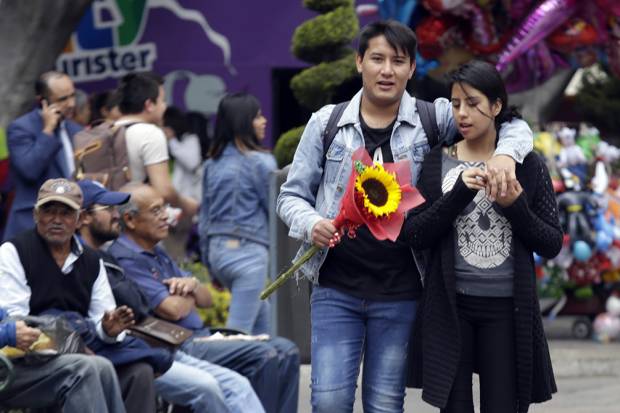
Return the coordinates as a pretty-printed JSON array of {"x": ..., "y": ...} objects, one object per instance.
[
  {"x": 315, "y": 86},
  {"x": 286, "y": 146},
  {"x": 324, "y": 37},
  {"x": 323, "y": 6},
  {"x": 599, "y": 103}
]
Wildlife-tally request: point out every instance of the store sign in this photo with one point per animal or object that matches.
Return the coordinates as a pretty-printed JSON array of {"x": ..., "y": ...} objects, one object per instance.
[{"x": 107, "y": 42}]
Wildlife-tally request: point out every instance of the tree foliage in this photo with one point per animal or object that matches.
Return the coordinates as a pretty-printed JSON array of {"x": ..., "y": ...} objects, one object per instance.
[
  {"x": 315, "y": 86},
  {"x": 324, "y": 40},
  {"x": 286, "y": 145},
  {"x": 599, "y": 102},
  {"x": 325, "y": 37}
]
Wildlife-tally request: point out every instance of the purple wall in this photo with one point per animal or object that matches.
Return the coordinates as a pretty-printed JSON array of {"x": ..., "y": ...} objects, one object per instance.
[{"x": 171, "y": 38}]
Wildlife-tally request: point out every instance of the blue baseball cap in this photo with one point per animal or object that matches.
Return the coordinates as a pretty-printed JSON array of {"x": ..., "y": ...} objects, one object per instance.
[{"x": 95, "y": 193}]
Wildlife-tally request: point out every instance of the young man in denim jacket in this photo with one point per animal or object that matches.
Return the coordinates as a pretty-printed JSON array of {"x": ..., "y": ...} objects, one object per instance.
[{"x": 365, "y": 291}]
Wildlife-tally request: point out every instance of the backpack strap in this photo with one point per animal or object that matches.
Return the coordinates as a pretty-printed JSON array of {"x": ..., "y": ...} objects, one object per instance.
[
  {"x": 332, "y": 127},
  {"x": 426, "y": 110}
]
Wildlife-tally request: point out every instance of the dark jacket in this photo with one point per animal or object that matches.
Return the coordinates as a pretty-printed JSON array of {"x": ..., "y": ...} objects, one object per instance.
[
  {"x": 129, "y": 350},
  {"x": 435, "y": 351},
  {"x": 34, "y": 158}
]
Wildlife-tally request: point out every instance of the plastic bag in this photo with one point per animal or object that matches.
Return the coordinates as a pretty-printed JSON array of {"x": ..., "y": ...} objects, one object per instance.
[{"x": 58, "y": 338}]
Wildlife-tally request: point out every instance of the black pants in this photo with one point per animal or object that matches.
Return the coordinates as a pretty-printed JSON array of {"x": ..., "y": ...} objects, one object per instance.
[
  {"x": 137, "y": 387},
  {"x": 487, "y": 346}
]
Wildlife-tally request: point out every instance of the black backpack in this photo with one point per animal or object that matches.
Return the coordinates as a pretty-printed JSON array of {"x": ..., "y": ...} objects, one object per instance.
[{"x": 426, "y": 111}]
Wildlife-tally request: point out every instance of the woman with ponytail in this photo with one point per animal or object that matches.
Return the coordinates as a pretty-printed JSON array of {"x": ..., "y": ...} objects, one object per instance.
[{"x": 480, "y": 312}]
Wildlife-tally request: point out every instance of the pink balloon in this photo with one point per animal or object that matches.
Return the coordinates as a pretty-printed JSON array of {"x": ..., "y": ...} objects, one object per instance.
[
  {"x": 606, "y": 326},
  {"x": 545, "y": 18}
]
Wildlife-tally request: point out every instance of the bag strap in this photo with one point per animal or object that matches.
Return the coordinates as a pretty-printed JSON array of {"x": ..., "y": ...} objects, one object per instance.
[
  {"x": 426, "y": 110},
  {"x": 332, "y": 127}
]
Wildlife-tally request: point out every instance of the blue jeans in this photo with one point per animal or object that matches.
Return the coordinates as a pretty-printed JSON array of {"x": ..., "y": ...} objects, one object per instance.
[
  {"x": 271, "y": 366},
  {"x": 345, "y": 329},
  {"x": 206, "y": 387},
  {"x": 241, "y": 266},
  {"x": 76, "y": 382}
]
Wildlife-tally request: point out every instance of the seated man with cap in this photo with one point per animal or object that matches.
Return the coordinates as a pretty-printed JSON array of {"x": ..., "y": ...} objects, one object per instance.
[
  {"x": 47, "y": 269},
  {"x": 199, "y": 384}
]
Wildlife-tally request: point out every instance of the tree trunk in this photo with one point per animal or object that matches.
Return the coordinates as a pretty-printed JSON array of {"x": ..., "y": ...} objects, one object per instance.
[{"x": 32, "y": 35}]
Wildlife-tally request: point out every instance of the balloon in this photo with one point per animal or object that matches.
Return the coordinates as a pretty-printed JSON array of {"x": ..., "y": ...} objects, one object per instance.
[
  {"x": 435, "y": 34},
  {"x": 581, "y": 251},
  {"x": 614, "y": 256},
  {"x": 613, "y": 305},
  {"x": 603, "y": 241},
  {"x": 573, "y": 34},
  {"x": 545, "y": 18},
  {"x": 400, "y": 10},
  {"x": 422, "y": 65},
  {"x": 442, "y": 6},
  {"x": 606, "y": 327},
  {"x": 364, "y": 10},
  {"x": 483, "y": 36}
]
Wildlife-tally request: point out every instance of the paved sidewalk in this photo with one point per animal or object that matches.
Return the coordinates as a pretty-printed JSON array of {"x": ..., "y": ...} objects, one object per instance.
[{"x": 587, "y": 374}]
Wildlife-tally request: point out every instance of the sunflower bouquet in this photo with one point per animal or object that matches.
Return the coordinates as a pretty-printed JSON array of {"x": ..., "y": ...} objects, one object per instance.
[{"x": 376, "y": 196}]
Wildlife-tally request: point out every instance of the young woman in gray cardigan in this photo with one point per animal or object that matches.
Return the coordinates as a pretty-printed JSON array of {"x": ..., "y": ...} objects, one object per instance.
[{"x": 480, "y": 311}]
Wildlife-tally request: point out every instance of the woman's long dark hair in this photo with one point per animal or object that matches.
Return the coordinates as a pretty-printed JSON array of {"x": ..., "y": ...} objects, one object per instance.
[
  {"x": 233, "y": 124},
  {"x": 484, "y": 77}
]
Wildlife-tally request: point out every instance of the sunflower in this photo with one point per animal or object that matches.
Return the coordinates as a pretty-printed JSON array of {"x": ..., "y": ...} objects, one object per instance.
[{"x": 380, "y": 190}]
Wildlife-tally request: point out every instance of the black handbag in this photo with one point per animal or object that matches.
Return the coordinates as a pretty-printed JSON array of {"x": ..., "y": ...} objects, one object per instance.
[{"x": 61, "y": 338}]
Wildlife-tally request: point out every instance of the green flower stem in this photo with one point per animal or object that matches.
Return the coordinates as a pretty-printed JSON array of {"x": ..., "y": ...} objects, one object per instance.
[{"x": 288, "y": 273}]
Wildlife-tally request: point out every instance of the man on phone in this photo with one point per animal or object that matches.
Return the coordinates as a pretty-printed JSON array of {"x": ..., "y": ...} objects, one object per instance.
[{"x": 40, "y": 146}]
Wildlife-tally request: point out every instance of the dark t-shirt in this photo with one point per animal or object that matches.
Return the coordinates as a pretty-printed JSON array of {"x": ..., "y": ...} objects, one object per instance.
[{"x": 365, "y": 267}]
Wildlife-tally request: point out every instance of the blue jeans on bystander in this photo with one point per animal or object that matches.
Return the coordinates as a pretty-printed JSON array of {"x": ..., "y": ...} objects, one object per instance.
[
  {"x": 241, "y": 266},
  {"x": 206, "y": 387},
  {"x": 345, "y": 330},
  {"x": 271, "y": 366}
]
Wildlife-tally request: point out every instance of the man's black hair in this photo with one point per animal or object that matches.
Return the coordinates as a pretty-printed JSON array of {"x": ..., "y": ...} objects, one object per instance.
[
  {"x": 400, "y": 37},
  {"x": 135, "y": 89},
  {"x": 42, "y": 86}
]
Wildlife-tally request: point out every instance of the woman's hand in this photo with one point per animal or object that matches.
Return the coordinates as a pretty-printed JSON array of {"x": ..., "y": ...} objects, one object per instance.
[
  {"x": 513, "y": 191},
  {"x": 474, "y": 178}
]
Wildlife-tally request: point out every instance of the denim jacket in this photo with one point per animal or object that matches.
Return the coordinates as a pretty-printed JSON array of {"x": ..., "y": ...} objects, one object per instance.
[
  {"x": 311, "y": 193},
  {"x": 235, "y": 197},
  {"x": 7, "y": 330}
]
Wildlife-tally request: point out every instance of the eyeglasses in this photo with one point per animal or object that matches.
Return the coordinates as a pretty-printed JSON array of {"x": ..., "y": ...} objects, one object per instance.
[{"x": 159, "y": 210}]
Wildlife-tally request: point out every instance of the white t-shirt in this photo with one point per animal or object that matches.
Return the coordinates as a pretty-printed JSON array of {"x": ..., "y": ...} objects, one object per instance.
[
  {"x": 187, "y": 173},
  {"x": 146, "y": 145}
]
